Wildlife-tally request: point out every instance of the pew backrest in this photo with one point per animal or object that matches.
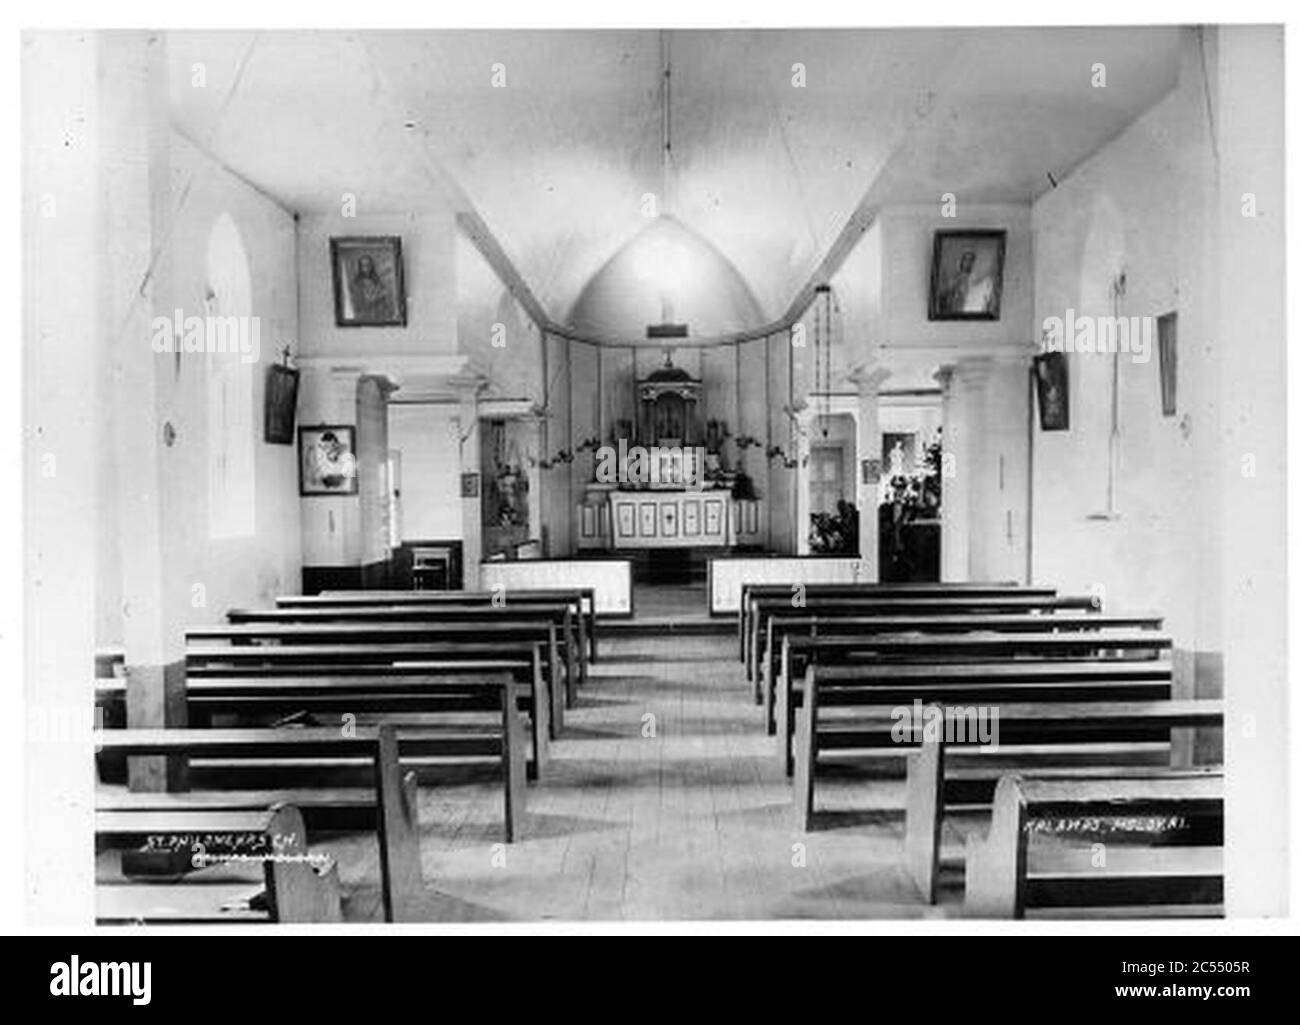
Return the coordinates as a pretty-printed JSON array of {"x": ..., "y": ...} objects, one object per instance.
[{"x": 1002, "y": 880}]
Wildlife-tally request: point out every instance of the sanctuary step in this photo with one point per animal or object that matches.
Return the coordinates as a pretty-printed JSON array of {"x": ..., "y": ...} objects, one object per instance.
[{"x": 670, "y": 565}]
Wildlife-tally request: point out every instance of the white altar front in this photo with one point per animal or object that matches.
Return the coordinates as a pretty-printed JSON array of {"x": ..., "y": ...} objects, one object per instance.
[
  {"x": 610, "y": 518},
  {"x": 667, "y": 486}
]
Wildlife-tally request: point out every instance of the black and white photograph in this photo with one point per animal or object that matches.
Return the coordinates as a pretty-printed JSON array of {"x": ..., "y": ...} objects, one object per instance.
[
  {"x": 966, "y": 275},
  {"x": 963, "y": 608},
  {"x": 369, "y": 288},
  {"x": 327, "y": 460}
]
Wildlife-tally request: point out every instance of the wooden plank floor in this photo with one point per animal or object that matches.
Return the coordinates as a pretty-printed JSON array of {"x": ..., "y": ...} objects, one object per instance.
[{"x": 693, "y": 822}]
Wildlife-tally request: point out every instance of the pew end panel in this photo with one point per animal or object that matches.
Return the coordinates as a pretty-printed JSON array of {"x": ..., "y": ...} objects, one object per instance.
[
  {"x": 995, "y": 867},
  {"x": 923, "y": 824},
  {"x": 398, "y": 800}
]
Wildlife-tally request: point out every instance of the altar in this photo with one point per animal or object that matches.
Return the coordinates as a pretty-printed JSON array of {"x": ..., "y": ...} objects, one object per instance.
[
  {"x": 681, "y": 519},
  {"x": 669, "y": 485}
]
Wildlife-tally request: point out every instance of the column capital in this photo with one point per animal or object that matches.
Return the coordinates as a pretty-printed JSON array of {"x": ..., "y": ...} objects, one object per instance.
[
  {"x": 386, "y": 384},
  {"x": 467, "y": 384}
]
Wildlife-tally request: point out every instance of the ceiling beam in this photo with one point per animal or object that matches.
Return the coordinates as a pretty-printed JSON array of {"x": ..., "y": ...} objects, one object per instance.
[
  {"x": 476, "y": 229},
  {"x": 857, "y": 225}
]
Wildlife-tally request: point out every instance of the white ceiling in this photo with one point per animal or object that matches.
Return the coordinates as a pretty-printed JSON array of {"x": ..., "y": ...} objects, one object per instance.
[{"x": 558, "y": 161}]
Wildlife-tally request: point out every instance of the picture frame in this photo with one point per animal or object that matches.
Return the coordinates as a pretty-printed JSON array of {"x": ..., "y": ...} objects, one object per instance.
[
  {"x": 1167, "y": 343},
  {"x": 469, "y": 485},
  {"x": 1052, "y": 385},
  {"x": 966, "y": 270},
  {"x": 327, "y": 461},
  {"x": 369, "y": 281},
  {"x": 280, "y": 404}
]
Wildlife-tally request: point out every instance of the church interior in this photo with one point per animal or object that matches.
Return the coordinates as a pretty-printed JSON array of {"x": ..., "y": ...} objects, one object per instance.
[{"x": 562, "y": 476}]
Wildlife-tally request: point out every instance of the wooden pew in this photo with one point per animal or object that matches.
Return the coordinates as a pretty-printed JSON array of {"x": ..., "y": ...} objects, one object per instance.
[
  {"x": 460, "y": 700},
  {"x": 575, "y": 625},
  {"x": 551, "y": 624},
  {"x": 784, "y": 590},
  {"x": 1014, "y": 873},
  {"x": 836, "y": 617},
  {"x": 581, "y": 601},
  {"x": 943, "y": 775},
  {"x": 783, "y": 662},
  {"x": 296, "y": 886},
  {"x": 881, "y": 660},
  {"x": 783, "y": 593},
  {"x": 842, "y": 606},
  {"x": 452, "y": 716},
  {"x": 393, "y": 796},
  {"x": 851, "y": 731},
  {"x": 351, "y": 648},
  {"x": 407, "y": 618}
]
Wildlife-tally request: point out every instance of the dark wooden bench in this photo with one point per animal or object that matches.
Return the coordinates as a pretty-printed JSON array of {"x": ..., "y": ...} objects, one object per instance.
[
  {"x": 841, "y": 607},
  {"x": 352, "y": 649},
  {"x": 926, "y": 666},
  {"x": 572, "y": 643},
  {"x": 582, "y": 601},
  {"x": 857, "y": 606},
  {"x": 767, "y": 589},
  {"x": 1034, "y": 861},
  {"x": 949, "y": 776},
  {"x": 392, "y": 795},
  {"x": 259, "y": 869},
  {"x": 848, "y": 732},
  {"x": 448, "y": 718},
  {"x": 462, "y": 698},
  {"x": 784, "y": 662},
  {"x": 549, "y": 626},
  {"x": 784, "y": 592}
]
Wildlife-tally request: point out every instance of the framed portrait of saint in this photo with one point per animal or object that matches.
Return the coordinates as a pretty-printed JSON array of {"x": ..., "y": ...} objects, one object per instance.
[
  {"x": 966, "y": 275},
  {"x": 1167, "y": 338},
  {"x": 369, "y": 281},
  {"x": 281, "y": 404},
  {"x": 1051, "y": 376},
  {"x": 327, "y": 460}
]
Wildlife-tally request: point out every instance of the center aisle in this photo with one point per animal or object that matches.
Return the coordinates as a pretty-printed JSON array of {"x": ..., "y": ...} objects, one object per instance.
[{"x": 663, "y": 800}]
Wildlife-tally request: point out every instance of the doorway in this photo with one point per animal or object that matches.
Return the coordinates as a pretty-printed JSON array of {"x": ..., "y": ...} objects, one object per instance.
[{"x": 909, "y": 505}]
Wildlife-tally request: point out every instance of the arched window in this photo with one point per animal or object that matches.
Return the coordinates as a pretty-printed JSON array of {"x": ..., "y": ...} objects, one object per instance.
[{"x": 229, "y": 387}]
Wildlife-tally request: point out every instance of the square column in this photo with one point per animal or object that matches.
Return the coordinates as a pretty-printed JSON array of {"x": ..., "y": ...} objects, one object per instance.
[
  {"x": 868, "y": 378},
  {"x": 967, "y": 484},
  {"x": 467, "y": 388}
]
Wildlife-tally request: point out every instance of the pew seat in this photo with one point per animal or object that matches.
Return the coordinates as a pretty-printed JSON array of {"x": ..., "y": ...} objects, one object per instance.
[
  {"x": 1022, "y": 871},
  {"x": 395, "y": 798},
  {"x": 943, "y": 777},
  {"x": 283, "y": 881},
  {"x": 1015, "y": 674}
]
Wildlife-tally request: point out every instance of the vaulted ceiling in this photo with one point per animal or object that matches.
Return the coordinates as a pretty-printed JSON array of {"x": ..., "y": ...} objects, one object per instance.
[{"x": 558, "y": 161}]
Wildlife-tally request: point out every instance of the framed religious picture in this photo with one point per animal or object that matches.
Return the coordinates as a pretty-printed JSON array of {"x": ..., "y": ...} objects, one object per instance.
[
  {"x": 966, "y": 275},
  {"x": 281, "y": 404},
  {"x": 327, "y": 460},
  {"x": 1052, "y": 381},
  {"x": 469, "y": 485},
  {"x": 1167, "y": 340},
  {"x": 369, "y": 283}
]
